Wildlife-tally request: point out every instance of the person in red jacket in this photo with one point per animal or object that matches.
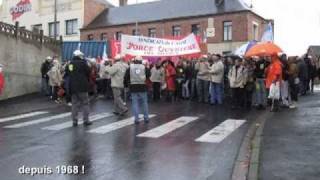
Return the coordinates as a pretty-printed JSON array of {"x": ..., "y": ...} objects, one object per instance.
[
  {"x": 170, "y": 77},
  {"x": 274, "y": 75},
  {"x": 274, "y": 71},
  {"x": 2, "y": 82}
]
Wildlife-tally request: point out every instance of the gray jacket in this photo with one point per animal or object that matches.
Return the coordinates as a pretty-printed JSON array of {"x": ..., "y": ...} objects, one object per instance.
[
  {"x": 117, "y": 72},
  {"x": 217, "y": 72},
  {"x": 157, "y": 74},
  {"x": 203, "y": 71}
]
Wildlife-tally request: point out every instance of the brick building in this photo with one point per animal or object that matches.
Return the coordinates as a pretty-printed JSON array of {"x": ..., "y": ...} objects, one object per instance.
[{"x": 223, "y": 25}]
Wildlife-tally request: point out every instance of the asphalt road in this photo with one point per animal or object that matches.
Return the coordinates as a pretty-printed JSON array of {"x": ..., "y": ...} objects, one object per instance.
[
  {"x": 183, "y": 141},
  {"x": 291, "y": 143}
]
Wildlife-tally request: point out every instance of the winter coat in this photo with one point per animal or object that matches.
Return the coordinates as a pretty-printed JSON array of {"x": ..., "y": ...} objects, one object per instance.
[
  {"x": 79, "y": 72},
  {"x": 55, "y": 75},
  {"x": 117, "y": 73},
  {"x": 45, "y": 67},
  {"x": 170, "y": 77},
  {"x": 237, "y": 77},
  {"x": 217, "y": 72},
  {"x": 203, "y": 71},
  {"x": 156, "y": 74},
  {"x": 102, "y": 72},
  {"x": 293, "y": 70},
  {"x": 303, "y": 70}
]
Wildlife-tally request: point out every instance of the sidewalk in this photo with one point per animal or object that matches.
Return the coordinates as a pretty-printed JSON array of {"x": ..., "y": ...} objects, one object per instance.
[
  {"x": 27, "y": 103},
  {"x": 290, "y": 148}
]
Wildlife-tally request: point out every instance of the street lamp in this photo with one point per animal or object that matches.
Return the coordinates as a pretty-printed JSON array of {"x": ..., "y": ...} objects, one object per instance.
[
  {"x": 55, "y": 20},
  {"x": 136, "y": 22}
]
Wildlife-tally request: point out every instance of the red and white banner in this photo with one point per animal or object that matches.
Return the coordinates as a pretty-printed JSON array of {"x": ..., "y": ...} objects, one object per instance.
[
  {"x": 22, "y": 7},
  {"x": 115, "y": 48},
  {"x": 156, "y": 47}
]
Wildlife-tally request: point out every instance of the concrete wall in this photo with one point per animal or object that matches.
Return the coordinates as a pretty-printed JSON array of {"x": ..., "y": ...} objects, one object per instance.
[{"x": 22, "y": 60}]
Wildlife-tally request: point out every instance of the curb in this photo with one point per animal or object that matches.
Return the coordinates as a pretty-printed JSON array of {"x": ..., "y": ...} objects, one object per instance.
[{"x": 247, "y": 162}]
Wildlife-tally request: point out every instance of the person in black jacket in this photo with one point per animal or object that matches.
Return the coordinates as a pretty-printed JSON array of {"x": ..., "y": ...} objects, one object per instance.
[
  {"x": 45, "y": 68},
  {"x": 79, "y": 73}
]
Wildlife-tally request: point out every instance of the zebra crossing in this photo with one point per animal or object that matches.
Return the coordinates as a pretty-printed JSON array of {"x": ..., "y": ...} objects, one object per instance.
[{"x": 215, "y": 135}]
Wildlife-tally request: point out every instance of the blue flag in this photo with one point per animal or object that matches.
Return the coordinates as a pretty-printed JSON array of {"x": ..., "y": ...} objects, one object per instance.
[{"x": 268, "y": 34}]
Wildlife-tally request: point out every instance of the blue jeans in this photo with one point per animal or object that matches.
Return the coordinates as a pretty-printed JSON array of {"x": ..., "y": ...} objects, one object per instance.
[
  {"x": 260, "y": 93},
  {"x": 185, "y": 89},
  {"x": 216, "y": 93},
  {"x": 45, "y": 88},
  {"x": 141, "y": 97}
]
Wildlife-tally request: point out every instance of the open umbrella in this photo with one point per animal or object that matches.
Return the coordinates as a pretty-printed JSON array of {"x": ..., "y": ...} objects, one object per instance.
[
  {"x": 241, "y": 51},
  {"x": 263, "y": 49}
]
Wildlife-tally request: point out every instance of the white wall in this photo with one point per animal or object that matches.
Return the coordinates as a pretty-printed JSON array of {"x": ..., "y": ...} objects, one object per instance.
[{"x": 43, "y": 13}]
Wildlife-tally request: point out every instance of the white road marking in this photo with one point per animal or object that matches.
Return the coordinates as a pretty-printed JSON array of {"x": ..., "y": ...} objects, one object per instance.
[
  {"x": 22, "y": 116},
  {"x": 68, "y": 124},
  {"x": 115, "y": 126},
  {"x": 168, "y": 127},
  {"x": 220, "y": 132},
  {"x": 38, "y": 121}
]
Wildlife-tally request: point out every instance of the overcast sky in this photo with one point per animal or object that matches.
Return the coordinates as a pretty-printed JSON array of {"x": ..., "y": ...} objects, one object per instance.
[{"x": 297, "y": 22}]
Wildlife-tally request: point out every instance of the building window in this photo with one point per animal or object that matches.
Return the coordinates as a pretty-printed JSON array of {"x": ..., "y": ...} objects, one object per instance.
[
  {"x": 37, "y": 28},
  {"x": 90, "y": 37},
  {"x": 255, "y": 31},
  {"x": 195, "y": 29},
  {"x": 51, "y": 29},
  {"x": 152, "y": 32},
  {"x": 71, "y": 27},
  {"x": 227, "y": 31},
  {"x": 176, "y": 31},
  {"x": 103, "y": 36},
  {"x": 118, "y": 35}
]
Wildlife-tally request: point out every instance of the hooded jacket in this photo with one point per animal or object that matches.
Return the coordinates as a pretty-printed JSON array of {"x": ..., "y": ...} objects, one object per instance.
[{"x": 274, "y": 71}]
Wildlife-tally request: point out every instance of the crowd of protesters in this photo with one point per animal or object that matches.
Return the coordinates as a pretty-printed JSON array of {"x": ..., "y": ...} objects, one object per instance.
[{"x": 211, "y": 79}]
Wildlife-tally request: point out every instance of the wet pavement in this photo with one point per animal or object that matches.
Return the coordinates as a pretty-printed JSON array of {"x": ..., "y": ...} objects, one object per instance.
[
  {"x": 117, "y": 152},
  {"x": 291, "y": 143}
]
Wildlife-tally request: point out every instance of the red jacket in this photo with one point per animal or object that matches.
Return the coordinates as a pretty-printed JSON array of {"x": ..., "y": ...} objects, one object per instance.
[
  {"x": 274, "y": 72},
  {"x": 2, "y": 82},
  {"x": 170, "y": 77}
]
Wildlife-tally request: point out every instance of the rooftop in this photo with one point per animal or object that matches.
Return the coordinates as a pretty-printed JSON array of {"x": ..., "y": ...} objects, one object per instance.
[
  {"x": 164, "y": 9},
  {"x": 315, "y": 50}
]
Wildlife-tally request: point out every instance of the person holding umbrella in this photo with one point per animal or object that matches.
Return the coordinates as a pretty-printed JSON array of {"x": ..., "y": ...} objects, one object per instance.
[{"x": 274, "y": 76}]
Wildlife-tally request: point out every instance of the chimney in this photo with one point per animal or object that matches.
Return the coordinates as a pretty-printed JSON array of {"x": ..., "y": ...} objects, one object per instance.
[{"x": 123, "y": 2}]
